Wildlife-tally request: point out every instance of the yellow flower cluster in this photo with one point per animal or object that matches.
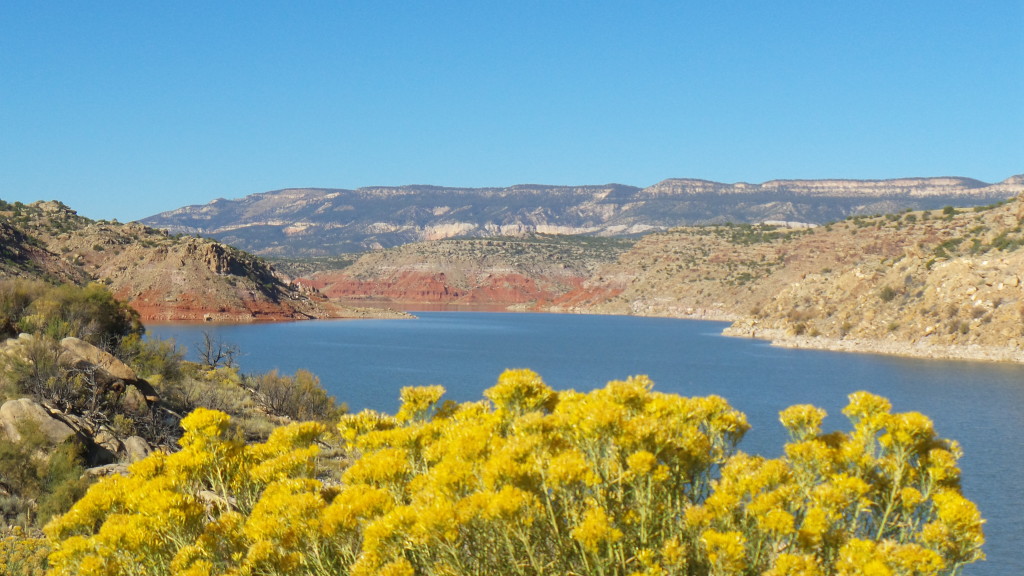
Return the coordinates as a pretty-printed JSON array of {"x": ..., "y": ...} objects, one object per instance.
[
  {"x": 201, "y": 510},
  {"x": 596, "y": 530},
  {"x": 882, "y": 499},
  {"x": 620, "y": 480},
  {"x": 22, "y": 553}
]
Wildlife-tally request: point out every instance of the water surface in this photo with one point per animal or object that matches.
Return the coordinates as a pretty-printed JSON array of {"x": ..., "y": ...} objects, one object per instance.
[{"x": 366, "y": 362}]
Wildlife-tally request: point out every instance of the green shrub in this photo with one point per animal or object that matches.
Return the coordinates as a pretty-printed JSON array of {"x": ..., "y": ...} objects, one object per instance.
[
  {"x": 152, "y": 357},
  {"x": 90, "y": 313},
  {"x": 217, "y": 389},
  {"x": 298, "y": 397},
  {"x": 42, "y": 479},
  {"x": 887, "y": 294},
  {"x": 63, "y": 481}
]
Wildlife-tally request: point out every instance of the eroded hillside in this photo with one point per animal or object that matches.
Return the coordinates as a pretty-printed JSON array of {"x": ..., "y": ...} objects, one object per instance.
[
  {"x": 163, "y": 277},
  {"x": 958, "y": 293},
  {"x": 525, "y": 271},
  {"x": 942, "y": 283},
  {"x": 934, "y": 283},
  {"x": 22, "y": 256}
]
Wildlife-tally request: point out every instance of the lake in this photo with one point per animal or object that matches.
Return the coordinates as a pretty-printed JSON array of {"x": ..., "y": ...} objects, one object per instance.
[{"x": 366, "y": 362}]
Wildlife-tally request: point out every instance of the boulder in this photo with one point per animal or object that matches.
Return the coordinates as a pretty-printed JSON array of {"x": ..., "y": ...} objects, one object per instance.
[
  {"x": 105, "y": 448},
  {"x": 133, "y": 401},
  {"x": 108, "y": 371},
  {"x": 78, "y": 352},
  {"x": 108, "y": 441},
  {"x": 16, "y": 413},
  {"x": 147, "y": 390},
  {"x": 135, "y": 448},
  {"x": 106, "y": 470}
]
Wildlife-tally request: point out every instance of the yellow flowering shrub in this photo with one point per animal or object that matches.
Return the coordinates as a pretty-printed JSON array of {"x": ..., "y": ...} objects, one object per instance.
[
  {"x": 23, "y": 553},
  {"x": 881, "y": 499},
  {"x": 200, "y": 510},
  {"x": 622, "y": 480}
]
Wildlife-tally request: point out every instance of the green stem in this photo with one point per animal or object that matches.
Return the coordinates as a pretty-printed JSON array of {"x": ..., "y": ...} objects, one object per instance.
[{"x": 891, "y": 505}]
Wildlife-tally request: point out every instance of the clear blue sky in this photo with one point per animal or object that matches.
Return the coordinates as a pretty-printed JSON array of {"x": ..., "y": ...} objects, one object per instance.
[{"x": 126, "y": 109}]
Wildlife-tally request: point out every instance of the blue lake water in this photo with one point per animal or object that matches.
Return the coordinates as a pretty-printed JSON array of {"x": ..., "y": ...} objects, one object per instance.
[{"x": 366, "y": 362}]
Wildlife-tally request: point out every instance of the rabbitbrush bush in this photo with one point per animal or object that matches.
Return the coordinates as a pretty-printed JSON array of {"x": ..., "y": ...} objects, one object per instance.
[{"x": 622, "y": 480}]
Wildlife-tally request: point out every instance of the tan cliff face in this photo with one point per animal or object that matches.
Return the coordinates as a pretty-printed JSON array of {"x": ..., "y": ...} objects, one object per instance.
[{"x": 913, "y": 187}]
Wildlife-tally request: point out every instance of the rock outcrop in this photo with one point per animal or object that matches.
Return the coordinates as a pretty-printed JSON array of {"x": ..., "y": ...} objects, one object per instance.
[
  {"x": 109, "y": 377},
  {"x": 16, "y": 414},
  {"x": 106, "y": 371},
  {"x": 944, "y": 283},
  {"x": 497, "y": 272},
  {"x": 163, "y": 277}
]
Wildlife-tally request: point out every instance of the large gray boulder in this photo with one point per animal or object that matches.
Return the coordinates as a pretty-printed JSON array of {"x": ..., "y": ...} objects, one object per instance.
[
  {"x": 107, "y": 370},
  {"x": 134, "y": 402},
  {"x": 135, "y": 448},
  {"x": 107, "y": 444},
  {"x": 80, "y": 354},
  {"x": 24, "y": 411}
]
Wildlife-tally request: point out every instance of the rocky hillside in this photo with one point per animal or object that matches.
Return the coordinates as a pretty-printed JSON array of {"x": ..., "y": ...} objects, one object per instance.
[
  {"x": 163, "y": 277},
  {"x": 526, "y": 271},
  {"x": 321, "y": 222},
  {"x": 958, "y": 295},
  {"x": 942, "y": 283},
  {"x": 22, "y": 256}
]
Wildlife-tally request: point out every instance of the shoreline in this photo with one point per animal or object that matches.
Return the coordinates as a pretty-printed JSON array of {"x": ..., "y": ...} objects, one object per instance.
[
  {"x": 179, "y": 316},
  {"x": 973, "y": 352},
  {"x": 774, "y": 336}
]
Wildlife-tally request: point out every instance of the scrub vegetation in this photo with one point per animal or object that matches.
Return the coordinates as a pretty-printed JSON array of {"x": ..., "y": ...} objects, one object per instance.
[{"x": 77, "y": 359}]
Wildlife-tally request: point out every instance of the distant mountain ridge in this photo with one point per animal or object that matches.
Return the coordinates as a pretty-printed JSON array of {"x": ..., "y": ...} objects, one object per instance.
[{"x": 323, "y": 221}]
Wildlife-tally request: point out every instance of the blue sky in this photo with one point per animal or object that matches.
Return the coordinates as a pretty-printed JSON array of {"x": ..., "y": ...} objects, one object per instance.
[{"x": 126, "y": 109}]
